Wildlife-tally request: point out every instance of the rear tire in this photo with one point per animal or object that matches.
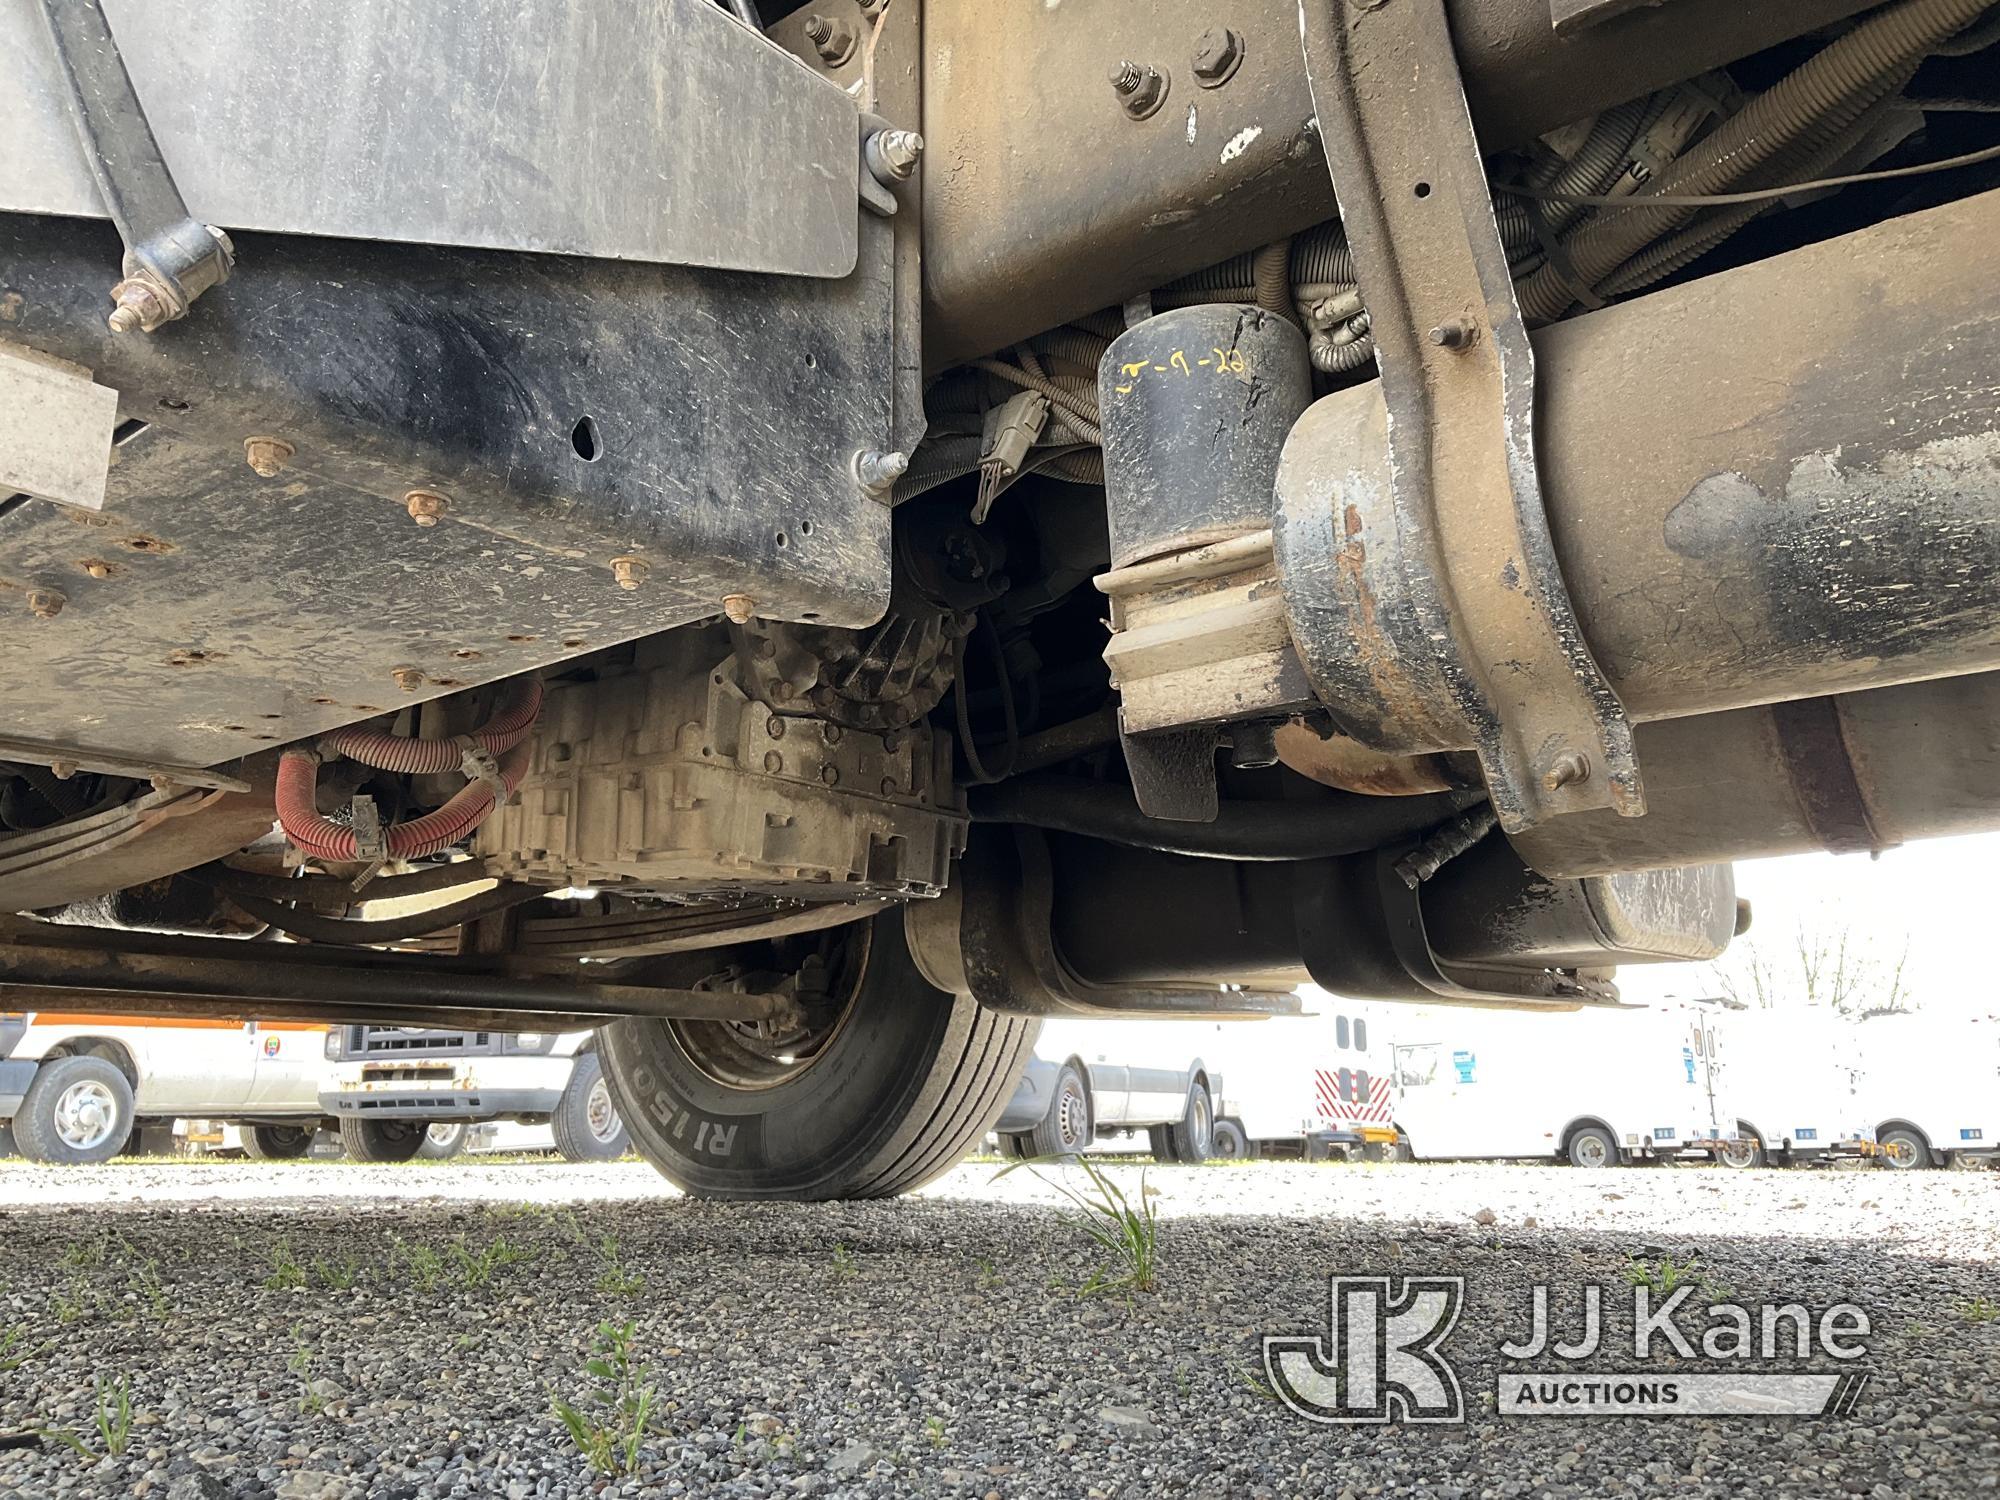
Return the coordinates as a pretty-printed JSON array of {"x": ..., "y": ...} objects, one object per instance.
[
  {"x": 1904, "y": 1151},
  {"x": 1230, "y": 1142},
  {"x": 586, "y": 1122},
  {"x": 383, "y": 1140},
  {"x": 77, "y": 1111},
  {"x": 890, "y": 1084},
  {"x": 1193, "y": 1137},
  {"x": 1592, "y": 1147},
  {"x": 1066, "y": 1129},
  {"x": 1750, "y": 1153},
  {"x": 277, "y": 1142},
  {"x": 443, "y": 1142}
]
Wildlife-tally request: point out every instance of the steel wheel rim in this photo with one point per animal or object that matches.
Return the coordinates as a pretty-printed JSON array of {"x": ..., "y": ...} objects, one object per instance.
[
  {"x": 751, "y": 1056},
  {"x": 600, "y": 1114},
  {"x": 1203, "y": 1126},
  {"x": 1901, "y": 1151},
  {"x": 1590, "y": 1151},
  {"x": 443, "y": 1135},
  {"x": 1739, "y": 1154},
  {"x": 85, "y": 1115},
  {"x": 1072, "y": 1118}
]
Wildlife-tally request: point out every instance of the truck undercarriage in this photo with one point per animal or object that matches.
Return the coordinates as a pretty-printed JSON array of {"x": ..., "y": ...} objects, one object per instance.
[{"x": 822, "y": 546}]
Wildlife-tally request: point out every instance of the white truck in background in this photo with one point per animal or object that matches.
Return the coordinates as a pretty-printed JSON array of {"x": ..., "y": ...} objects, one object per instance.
[
  {"x": 77, "y": 1088},
  {"x": 399, "y": 1092},
  {"x": 1931, "y": 1087},
  {"x": 1594, "y": 1087},
  {"x": 1312, "y": 1085},
  {"x": 1795, "y": 1077}
]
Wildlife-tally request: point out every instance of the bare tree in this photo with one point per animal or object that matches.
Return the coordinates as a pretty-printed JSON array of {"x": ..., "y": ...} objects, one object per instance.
[{"x": 1830, "y": 971}]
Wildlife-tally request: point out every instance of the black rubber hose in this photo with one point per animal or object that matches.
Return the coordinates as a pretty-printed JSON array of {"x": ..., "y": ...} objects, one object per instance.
[
  {"x": 1338, "y": 823},
  {"x": 331, "y": 888},
  {"x": 317, "y": 929}
]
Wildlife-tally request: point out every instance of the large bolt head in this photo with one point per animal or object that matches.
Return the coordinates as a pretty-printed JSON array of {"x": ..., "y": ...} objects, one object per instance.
[
  {"x": 45, "y": 604},
  {"x": 1216, "y": 55}
]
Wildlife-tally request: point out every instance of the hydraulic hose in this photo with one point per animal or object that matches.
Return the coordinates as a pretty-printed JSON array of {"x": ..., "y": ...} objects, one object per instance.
[
  {"x": 318, "y": 929},
  {"x": 322, "y": 838},
  {"x": 1338, "y": 823},
  {"x": 1818, "y": 101},
  {"x": 424, "y": 757}
]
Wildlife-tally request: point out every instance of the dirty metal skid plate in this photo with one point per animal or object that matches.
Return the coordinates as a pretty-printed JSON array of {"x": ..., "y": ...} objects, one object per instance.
[
  {"x": 655, "y": 130},
  {"x": 568, "y": 413}
]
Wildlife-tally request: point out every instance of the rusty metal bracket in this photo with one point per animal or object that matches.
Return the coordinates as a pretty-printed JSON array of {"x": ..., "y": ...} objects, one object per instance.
[{"x": 1487, "y": 634}]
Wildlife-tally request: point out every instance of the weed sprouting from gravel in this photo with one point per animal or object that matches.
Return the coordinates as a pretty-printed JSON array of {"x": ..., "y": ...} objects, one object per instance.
[
  {"x": 300, "y": 1363},
  {"x": 337, "y": 1275},
  {"x": 114, "y": 1424},
  {"x": 286, "y": 1272},
  {"x": 1979, "y": 1310},
  {"x": 1129, "y": 1234},
  {"x": 144, "y": 1279},
  {"x": 13, "y": 1350},
  {"x": 1669, "y": 1275},
  {"x": 477, "y": 1268},
  {"x": 843, "y": 1261},
  {"x": 614, "y": 1280},
  {"x": 423, "y": 1265},
  {"x": 610, "y": 1421}
]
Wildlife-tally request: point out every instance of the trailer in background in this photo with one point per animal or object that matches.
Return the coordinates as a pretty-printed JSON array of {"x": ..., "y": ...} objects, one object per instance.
[
  {"x": 1931, "y": 1087},
  {"x": 1593, "y": 1087}
]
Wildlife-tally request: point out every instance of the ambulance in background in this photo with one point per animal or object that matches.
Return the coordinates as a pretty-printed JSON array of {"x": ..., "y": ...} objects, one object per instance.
[
  {"x": 1794, "y": 1075},
  {"x": 1931, "y": 1087},
  {"x": 1595, "y": 1087},
  {"x": 75, "y": 1088}
]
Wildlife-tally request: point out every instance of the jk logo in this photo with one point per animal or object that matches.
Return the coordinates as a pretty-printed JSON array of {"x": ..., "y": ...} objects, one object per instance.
[{"x": 1380, "y": 1360}]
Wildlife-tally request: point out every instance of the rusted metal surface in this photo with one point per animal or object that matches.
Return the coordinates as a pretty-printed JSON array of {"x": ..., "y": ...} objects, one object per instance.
[
  {"x": 1880, "y": 768},
  {"x": 1337, "y": 760},
  {"x": 134, "y": 842},
  {"x": 1788, "y": 521},
  {"x": 201, "y": 977},
  {"x": 1045, "y": 202},
  {"x": 1479, "y": 575}
]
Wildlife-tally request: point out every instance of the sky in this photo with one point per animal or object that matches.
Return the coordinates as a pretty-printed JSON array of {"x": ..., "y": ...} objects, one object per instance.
[{"x": 1939, "y": 899}]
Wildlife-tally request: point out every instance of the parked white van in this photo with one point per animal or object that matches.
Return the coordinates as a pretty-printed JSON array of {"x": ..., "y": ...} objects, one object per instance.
[
  {"x": 74, "y": 1087},
  {"x": 1593, "y": 1087}
]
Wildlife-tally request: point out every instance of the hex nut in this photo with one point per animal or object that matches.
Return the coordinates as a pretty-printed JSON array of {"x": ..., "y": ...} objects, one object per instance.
[
  {"x": 740, "y": 609},
  {"x": 425, "y": 506},
  {"x": 45, "y": 604},
  {"x": 409, "y": 679},
  {"x": 630, "y": 571}
]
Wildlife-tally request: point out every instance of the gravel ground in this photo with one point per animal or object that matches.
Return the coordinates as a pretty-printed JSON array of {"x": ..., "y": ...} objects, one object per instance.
[{"x": 317, "y": 1330}]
